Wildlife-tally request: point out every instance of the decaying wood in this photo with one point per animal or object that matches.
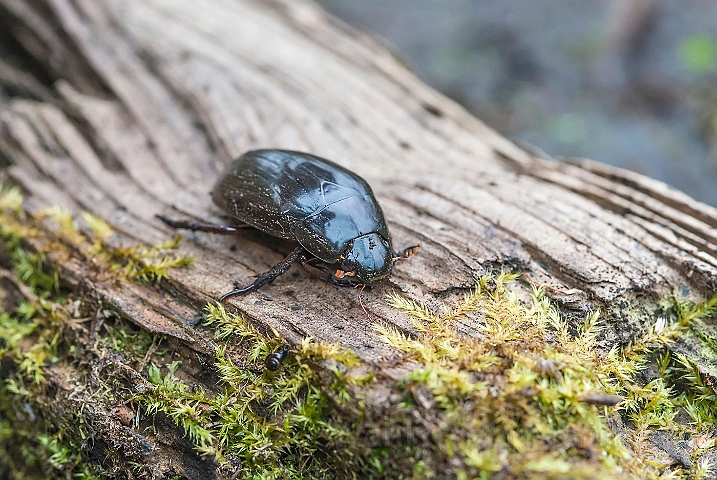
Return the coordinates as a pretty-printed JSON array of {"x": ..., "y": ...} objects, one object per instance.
[{"x": 132, "y": 108}]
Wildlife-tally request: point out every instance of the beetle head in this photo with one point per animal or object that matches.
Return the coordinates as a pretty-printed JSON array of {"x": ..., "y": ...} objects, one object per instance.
[{"x": 369, "y": 256}]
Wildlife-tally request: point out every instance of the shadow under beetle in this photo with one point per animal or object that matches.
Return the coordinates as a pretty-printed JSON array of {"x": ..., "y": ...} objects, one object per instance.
[{"x": 330, "y": 211}]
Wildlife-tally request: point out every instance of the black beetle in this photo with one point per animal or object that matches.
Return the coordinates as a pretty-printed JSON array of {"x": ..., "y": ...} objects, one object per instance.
[
  {"x": 330, "y": 211},
  {"x": 275, "y": 360}
]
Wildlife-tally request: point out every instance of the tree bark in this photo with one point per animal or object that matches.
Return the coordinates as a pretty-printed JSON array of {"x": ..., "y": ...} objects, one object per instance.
[{"x": 133, "y": 108}]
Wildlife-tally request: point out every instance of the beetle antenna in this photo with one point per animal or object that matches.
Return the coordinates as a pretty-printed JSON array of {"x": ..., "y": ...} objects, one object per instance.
[
  {"x": 361, "y": 302},
  {"x": 405, "y": 253}
]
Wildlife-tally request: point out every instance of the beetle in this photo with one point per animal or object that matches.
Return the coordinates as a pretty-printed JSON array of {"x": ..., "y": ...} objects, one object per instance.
[
  {"x": 274, "y": 361},
  {"x": 328, "y": 210}
]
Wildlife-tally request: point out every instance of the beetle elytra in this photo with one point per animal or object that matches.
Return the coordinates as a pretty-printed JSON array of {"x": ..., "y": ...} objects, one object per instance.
[{"x": 328, "y": 210}]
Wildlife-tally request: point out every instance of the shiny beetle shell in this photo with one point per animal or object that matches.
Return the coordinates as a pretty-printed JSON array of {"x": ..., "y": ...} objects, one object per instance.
[
  {"x": 275, "y": 361},
  {"x": 330, "y": 211}
]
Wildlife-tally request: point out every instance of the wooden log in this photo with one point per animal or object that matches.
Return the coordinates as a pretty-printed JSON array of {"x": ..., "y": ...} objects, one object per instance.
[{"x": 131, "y": 109}]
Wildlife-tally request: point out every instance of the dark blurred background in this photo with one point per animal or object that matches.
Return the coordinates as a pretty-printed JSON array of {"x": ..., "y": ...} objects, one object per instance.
[{"x": 632, "y": 83}]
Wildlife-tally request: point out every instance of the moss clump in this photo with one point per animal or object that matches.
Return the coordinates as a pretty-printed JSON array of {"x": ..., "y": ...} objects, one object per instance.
[
  {"x": 91, "y": 237},
  {"x": 45, "y": 357},
  {"x": 51, "y": 414},
  {"x": 272, "y": 424},
  {"x": 31, "y": 445},
  {"x": 137, "y": 263},
  {"x": 501, "y": 387},
  {"x": 523, "y": 394},
  {"x": 30, "y": 337}
]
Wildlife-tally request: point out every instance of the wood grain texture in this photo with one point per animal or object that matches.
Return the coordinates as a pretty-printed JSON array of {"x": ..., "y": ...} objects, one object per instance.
[
  {"x": 155, "y": 98},
  {"x": 142, "y": 103}
]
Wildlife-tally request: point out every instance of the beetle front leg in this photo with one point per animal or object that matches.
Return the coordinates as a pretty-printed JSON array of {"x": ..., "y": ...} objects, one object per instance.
[
  {"x": 269, "y": 276},
  {"x": 205, "y": 227},
  {"x": 325, "y": 275}
]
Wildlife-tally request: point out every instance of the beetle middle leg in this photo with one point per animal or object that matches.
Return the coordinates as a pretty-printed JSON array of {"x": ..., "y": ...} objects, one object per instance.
[
  {"x": 206, "y": 227},
  {"x": 269, "y": 276}
]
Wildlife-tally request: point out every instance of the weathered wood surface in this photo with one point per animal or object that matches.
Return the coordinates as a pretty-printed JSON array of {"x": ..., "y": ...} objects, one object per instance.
[
  {"x": 132, "y": 108},
  {"x": 152, "y": 99}
]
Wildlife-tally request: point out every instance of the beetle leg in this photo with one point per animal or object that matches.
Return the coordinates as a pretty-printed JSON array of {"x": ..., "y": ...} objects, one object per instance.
[
  {"x": 325, "y": 275},
  {"x": 405, "y": 253},
  {"x": 267, "y": 277},
  {"x": 205, "y": 227}
]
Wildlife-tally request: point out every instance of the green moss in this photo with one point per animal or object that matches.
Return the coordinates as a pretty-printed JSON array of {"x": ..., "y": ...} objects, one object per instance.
[
  {"x": 137, "y": 263},
  {"x": 39, "y": 338},
  {"x": 92, "y": 237},
  {"x": 30, "y": 269},
  {"x": 276, "y": 424},
  {"x": 501, "y": 386},
  {"x": 696, "y": 393},
  {"x": 10, "y": 199},
  {"x": 133, "y": 343},
  {"x": 517, "y": 395},
  {"x": 31, "y": 445},
  {"x": 520, "y": 395},
  {"x": 27, "y": 448},
  {"x": 38, "y": 438}
]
